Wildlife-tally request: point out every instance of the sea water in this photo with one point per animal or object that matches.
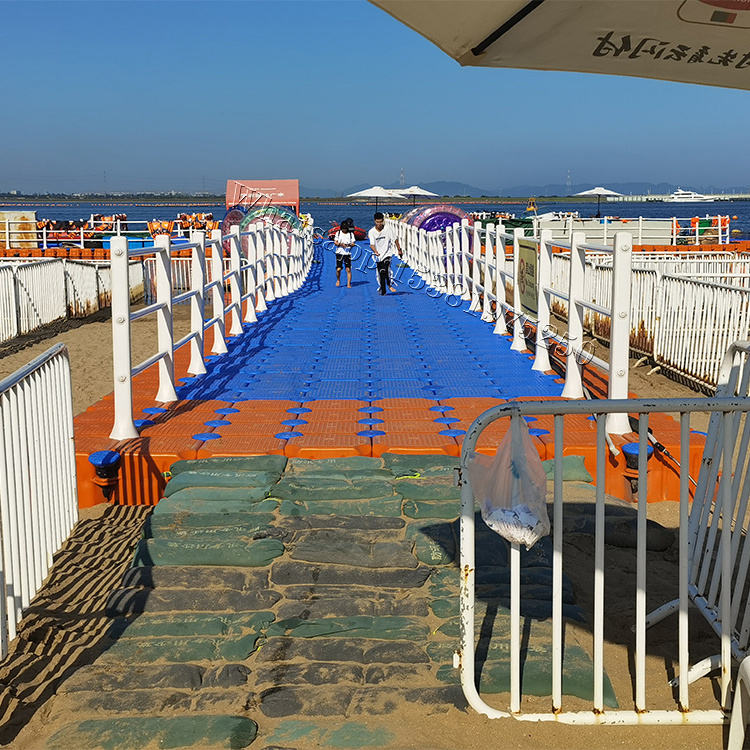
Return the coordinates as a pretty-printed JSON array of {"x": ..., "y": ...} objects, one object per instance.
[{"x": 325, "y": 214}]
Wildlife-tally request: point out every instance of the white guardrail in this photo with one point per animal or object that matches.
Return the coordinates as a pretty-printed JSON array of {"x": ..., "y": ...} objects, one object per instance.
[
  {"x": 474, "y": 264},
  {"x": 694, "y": 230},
  {"x": 92, "y": 233},
  {"x": 264, "y": 264},
  {"x": 35, "y": 293},
  {"x": 682, "y": 309},
  {"x": 38, "y": 495}
]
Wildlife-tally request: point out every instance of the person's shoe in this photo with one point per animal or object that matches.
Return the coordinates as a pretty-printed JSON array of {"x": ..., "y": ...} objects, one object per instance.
[
  {"x": 338, "y": 283},
  {"x": 382, "y": 291},
  {"x": 392, "y": 288}
]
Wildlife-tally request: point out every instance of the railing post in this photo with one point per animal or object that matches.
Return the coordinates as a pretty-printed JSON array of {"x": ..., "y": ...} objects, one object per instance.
[
  {"x": 422, "y": 267},
  {"x": 619, "y": 424},
  {"x": 434, "y": 245},
  {"x": 476, "y": 259},
  {"x": 124, "y": 426},
  {"x": 258, "y": 271},
  {"x": 541, "y": 357},
  {"x": 235, "y": 284},
  {"x": 573, "y": 369},
  {"x": 198, "y": 301},
  {"x": 455, "y": 232},
  {"x": 278, "y": 275},
  {"x": 441, "y": 260},
  {"x": 489, "y": 255},
  {"x": 217, "y": 298},
  {"x": 247, "y": 239},
  {"x": 500, "y": 326},
  {"x": 165, "y": 333},
  {"x": 449, "y": 287},
  {"x": 518, "y": 343},
  {"x": 293, "y": 282},
  {"x": 283, "y": 258},
  {"x": 268, "y": 264},
  {"x": 464, "y": 250}
]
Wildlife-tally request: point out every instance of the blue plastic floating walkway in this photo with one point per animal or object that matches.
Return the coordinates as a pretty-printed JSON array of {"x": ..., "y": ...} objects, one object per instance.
[{"x": 333, "y": 343}]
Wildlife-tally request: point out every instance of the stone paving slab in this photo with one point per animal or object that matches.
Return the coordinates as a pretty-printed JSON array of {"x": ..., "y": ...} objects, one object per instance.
[{"x": 351, "y": 611}]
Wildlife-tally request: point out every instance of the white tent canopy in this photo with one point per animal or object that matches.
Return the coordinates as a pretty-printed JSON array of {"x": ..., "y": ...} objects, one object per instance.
[
  {"x": 377, "y": 192},
  {"x": 416, "y": 190},
  {"x": 674, "y": 40}
]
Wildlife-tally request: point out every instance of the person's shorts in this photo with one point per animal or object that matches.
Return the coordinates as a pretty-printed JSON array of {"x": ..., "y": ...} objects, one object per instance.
[{"x": 343, "y": 260}]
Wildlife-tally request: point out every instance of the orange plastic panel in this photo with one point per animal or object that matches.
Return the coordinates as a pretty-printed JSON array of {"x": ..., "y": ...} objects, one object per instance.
[
  {"x": 328, "y": 446},
  {"x": 331, "y": 427},
  {"x": 242, "y": 445},
  {"x": 422, "y": 426},
  {"x": 404, "y": 403},
  {"x": 264, "y": 428},
  {"x": 413, "y": 443}
]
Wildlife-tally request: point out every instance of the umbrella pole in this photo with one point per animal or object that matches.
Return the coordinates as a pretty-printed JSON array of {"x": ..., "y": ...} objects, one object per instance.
[{"x": 598, "y": 202}]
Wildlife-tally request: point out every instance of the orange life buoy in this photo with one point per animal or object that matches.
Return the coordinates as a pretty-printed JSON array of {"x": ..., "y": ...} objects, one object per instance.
[{"x": 694, "y": 222}]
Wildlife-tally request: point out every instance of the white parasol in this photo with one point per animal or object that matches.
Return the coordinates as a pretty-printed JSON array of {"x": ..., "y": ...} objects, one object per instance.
[
  {"x": 598, "y": 192},
  {"x": 376, "y": 192},
  {"x": 693, "y": 41},
  {"x": 415, "y": 191}
]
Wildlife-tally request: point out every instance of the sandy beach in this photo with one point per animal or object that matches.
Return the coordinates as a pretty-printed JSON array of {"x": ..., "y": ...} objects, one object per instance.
[{"x": 90, "y": 563}]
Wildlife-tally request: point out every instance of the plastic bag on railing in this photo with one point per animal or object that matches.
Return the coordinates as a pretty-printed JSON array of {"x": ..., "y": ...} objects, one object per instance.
[{"x": 511, "y": 487}]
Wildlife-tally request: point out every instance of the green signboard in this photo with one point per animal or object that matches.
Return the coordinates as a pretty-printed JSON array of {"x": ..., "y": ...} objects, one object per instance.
[{"x": 527, "y": 276}]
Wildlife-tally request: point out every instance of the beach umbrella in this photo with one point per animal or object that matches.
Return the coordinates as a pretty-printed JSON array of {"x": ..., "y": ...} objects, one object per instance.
[
  {"x": 693, "y": 41},
  {"x": 415, "y": 191},
  {"x": 598, "y": 192},
  {"x": 376, "y": 192}
]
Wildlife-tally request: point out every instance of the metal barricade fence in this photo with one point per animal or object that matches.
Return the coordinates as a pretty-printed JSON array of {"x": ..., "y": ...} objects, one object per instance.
[
  {"x": 35, "y": 293},
  {"x": 644, "y": 710},
  {"x": 41, "y": 294},
  {"x": 38, "y": 496}
]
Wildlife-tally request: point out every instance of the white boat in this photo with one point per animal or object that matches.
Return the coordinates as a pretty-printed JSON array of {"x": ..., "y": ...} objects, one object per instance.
[{"x": 688, "y": 196}]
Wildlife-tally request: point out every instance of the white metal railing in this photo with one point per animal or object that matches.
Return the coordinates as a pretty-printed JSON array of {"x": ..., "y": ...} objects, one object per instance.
[
  {"x": 472, "y": 263},
  {"x": 85, "y": 233},
  {"x": 37, "y": 292},
  {"x": 644, "y": 231},
  {"x": 236, "y": 275},
  {"x": 38, "y": 496},
  {"x": 645, "y": 709}
]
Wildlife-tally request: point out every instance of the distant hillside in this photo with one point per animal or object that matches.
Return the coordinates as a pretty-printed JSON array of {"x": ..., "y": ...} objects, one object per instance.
[
  {"x": 626, "y": 188},
  {"x": 442, "y": 188},
  {"x": 308, "y": 192},
  {"x": 450, "y": 189}
]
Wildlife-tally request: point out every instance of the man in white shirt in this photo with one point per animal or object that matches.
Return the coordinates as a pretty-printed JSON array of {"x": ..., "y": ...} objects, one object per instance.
[{"x": 384, "y": 244}]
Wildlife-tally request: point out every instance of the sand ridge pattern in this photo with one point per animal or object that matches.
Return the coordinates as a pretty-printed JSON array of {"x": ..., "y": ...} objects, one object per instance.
[{"x": 336, "y": 629}]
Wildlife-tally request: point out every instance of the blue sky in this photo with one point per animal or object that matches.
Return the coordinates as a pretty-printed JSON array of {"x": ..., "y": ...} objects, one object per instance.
[{"x": 164, "y": 95}]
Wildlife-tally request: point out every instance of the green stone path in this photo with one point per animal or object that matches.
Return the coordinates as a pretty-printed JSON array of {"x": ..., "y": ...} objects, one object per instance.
[{"x": 296, "y": 605}]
